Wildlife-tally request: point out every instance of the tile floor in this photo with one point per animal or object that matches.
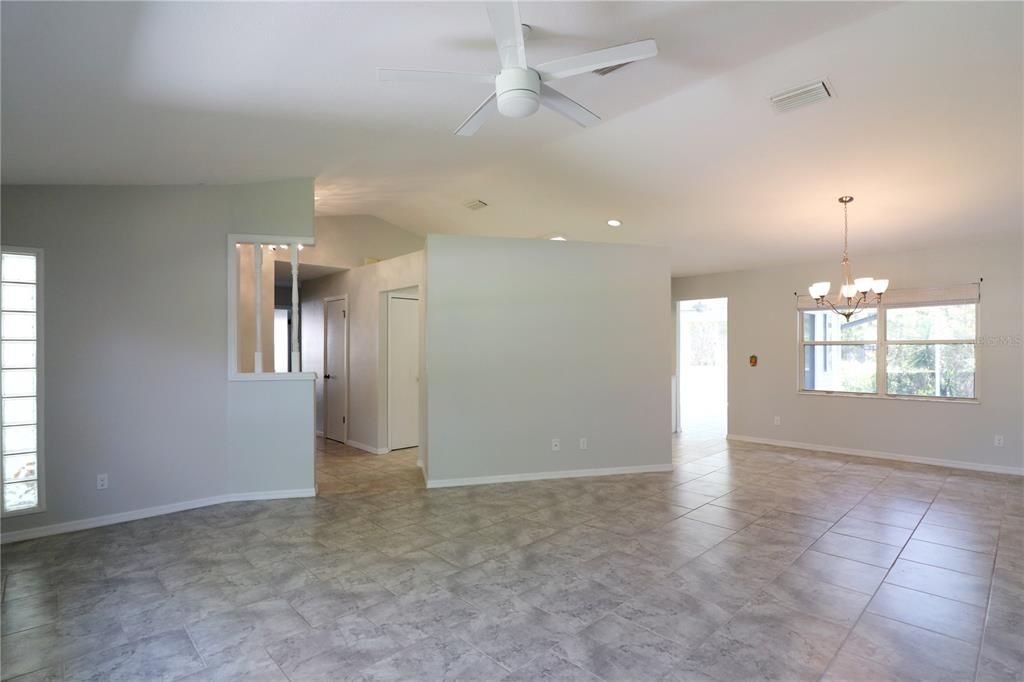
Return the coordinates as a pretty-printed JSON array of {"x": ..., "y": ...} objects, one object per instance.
[
  {"x": 341, "y": 468},
  {"x": 745, "y": 563}
]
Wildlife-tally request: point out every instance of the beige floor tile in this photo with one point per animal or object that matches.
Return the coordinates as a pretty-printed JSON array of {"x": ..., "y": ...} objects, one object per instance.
[
  {"x": 940, "y": 582},
  {"x": 938, "y": 614},
  {"x": 953, "y": 558},
  {"x": 910, "y": 652},
  {"x": 865, "y": 551},
  {"x": 870, "y": 530}
]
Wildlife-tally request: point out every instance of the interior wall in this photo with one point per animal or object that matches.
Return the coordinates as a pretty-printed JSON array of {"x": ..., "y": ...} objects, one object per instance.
[
  {"x": 532, "y": 340},
  {"x": 762, "y": 321},
  {"x": 136, "y": 341},
  {"x": 349, "y": 241},
  {"x": 364, "y": 287}
]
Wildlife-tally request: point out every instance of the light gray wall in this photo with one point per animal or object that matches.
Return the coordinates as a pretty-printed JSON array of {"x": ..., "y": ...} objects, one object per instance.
[
  {"x": 365, "y": 287},
  {"x": 762, "y": 321},
  {"x": 136, "y": 337},
  {"x": 530, "y": 340},
  {"x": 347, "y": 241}
]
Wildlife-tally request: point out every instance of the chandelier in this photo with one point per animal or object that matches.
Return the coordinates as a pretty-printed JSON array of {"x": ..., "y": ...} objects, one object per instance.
[{"x": 853, "y": 293}]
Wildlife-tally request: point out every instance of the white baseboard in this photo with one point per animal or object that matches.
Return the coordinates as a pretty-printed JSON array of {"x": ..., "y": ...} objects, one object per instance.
[
  {"x": 135, "y": 515},
  {"x": 914, "y": 459},
  {"x": 546, "y": 475},
  {"x": 367, "y": 448}
]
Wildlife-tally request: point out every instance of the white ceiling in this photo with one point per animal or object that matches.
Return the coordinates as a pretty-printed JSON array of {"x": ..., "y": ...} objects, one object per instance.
[{"x": 924, "y": 130}]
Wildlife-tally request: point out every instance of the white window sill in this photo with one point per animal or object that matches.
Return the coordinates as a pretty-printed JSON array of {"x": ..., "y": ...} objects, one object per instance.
[
  {"x": 23, "y": 512},
  {"x": 272, "y": 376},
  {"x": 876, "y": 396}
]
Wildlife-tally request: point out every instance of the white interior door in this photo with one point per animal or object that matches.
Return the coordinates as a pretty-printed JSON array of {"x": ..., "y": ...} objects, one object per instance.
[
  {"x": 336, "y": 369},
  {"x": 403, "y": 372}
]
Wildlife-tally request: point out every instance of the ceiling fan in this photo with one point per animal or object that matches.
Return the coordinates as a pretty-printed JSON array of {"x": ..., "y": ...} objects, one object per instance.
[{"x": 520, "y": 89}]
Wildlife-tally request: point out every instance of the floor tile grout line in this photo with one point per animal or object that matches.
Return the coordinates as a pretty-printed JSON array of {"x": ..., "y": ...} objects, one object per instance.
[
  {"x": 888, "y": 571},
  {"x": 853, "y": 627},
  {"x": 988, "y": 601}
]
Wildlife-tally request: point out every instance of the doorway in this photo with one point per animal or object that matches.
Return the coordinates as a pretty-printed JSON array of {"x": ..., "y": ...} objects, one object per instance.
[
  {"x": 336, "y": 368},
  {"x": 403, "y": 365},
  {"x": 703, "y": 368}
]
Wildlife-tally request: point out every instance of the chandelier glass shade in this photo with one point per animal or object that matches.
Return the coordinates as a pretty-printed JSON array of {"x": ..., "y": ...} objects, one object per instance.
[{"x": 854, "y": 293}]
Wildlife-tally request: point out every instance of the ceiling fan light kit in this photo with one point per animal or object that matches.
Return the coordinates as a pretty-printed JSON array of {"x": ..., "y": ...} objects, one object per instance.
[
  {"x": 853, "y": 293},
  {"x": 520, "y": 89},
  {"x": 518, "y": 92}
]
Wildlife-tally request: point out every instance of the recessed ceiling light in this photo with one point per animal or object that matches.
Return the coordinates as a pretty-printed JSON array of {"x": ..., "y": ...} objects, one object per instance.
[
  {"x": 614, "y": 223},
  {"x": 557, "y": 238}
]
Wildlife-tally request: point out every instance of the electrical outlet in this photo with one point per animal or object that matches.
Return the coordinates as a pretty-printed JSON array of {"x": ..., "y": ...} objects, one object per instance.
[
  {"x": 778, "y": 421},
  {"x": 101, "y": 482},
  {"x": 999, "y": 440},
  {"x": 556, "y": 444},
  {"x": 583, "y": 443}
]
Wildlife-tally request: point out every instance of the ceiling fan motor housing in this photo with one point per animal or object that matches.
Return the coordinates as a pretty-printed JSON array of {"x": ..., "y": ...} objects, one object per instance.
[{"x": 518, "y": 92}]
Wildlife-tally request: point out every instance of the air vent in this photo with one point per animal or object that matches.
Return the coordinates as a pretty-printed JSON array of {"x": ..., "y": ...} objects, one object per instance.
[
  {"x": 475, "y": 205},
  {"x": 798, "y": 97}
]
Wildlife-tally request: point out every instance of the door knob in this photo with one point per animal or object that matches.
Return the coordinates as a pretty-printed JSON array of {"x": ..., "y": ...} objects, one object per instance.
[{"x": 327, "y": 376}]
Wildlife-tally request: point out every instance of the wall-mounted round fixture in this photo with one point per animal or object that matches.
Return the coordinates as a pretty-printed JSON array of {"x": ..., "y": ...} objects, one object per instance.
[
  {"x": 557, "y": 238},
  {"x": 614, "y": 223}
]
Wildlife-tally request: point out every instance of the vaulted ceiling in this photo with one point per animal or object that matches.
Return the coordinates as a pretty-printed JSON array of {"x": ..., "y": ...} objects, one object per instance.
[{"x": 925, "y": 128}]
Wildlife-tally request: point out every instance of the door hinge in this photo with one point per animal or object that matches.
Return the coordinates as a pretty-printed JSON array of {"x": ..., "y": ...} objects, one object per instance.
[{"x": 344, "y": 313}]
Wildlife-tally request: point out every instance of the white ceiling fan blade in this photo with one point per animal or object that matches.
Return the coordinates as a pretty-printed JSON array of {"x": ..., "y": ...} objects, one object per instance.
[
  {"x": 574, "y": 111},
  {"x": 477, "y": 118},
  {"x": 420, "y": 76},
  {"x": 600, "y": 59},
  {"x": 508, "y": 33}
]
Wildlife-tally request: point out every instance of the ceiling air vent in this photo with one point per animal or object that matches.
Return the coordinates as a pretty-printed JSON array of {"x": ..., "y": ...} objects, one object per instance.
[
  {"x": 798, "y": 97},
  {"x": 475, "y": 205}
]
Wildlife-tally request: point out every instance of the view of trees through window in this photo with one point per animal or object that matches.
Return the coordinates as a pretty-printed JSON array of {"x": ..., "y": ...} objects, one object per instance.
[{"x": 928, "y": 351}]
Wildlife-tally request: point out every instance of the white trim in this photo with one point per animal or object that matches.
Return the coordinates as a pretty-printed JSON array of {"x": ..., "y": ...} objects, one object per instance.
[
  {"x": 915, "y": 459},
  {"x": 367, "y": 448},
  {"x": 547, "y": 475},
  {"x": 111, "y": 519}
]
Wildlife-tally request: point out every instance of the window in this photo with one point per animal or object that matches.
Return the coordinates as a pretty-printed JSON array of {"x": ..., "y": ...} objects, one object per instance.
[
  {"x": 911, "y": 346},
  {"x": 21, "y": 379},
  {"x": 930, "y": 350},
  {"x": 840, "y": 355}
]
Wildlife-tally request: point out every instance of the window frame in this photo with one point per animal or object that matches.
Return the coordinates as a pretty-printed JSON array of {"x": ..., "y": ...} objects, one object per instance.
[
  {"x": 881, "y": 344},
  {"x": 40, "y": 385}
]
